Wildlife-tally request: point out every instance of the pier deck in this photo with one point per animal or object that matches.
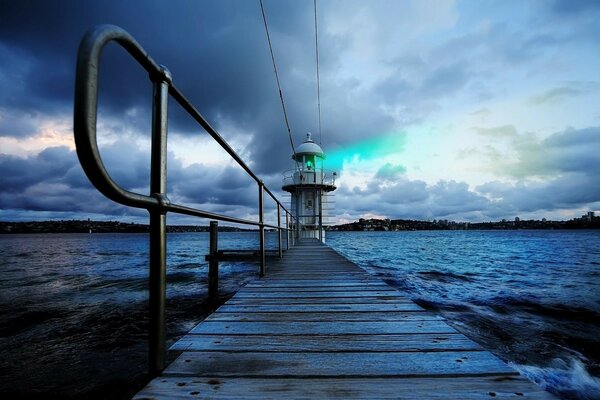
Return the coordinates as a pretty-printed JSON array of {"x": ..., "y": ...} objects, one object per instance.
[{"x": 318, "y": 326}]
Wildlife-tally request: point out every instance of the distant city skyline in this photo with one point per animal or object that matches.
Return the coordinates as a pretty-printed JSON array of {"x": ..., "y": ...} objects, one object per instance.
[{"x": 430, "y": 109}]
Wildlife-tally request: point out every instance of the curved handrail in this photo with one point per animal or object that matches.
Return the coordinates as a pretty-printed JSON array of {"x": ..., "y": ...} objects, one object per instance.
[
  {"x": 85, "y": 118},
  {"x": 157, "y": 202},
  {"x": 86, "y": 110}
]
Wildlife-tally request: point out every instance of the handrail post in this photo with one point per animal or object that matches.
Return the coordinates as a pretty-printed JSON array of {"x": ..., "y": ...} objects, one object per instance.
[
  {"x": 213, "y": 263},
  {"x": 158, "y": 224},
  {"x": 287, "y": 230},
  {"x": 292, "y": 240},
  {"x": 279, "y": 230},
  {"x": 261, "y": 228},
  {"x": 320, "y": 217}
]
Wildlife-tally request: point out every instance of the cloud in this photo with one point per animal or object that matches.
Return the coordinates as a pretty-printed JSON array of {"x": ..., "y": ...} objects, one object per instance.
[
  {"x": 555, "y": 95},
  {"x": 566, "y": 192},
  {"x": 389, "y": 172},
  {"x": 49, "y": 165},
  {"x": 505, "y": 131},
  {"x": 52, "y": 180},
  {"x": 385, "y": 68},
  {"x": 570, "y": 151},
  {"x": 547, "y": 175},
  {"x": 18, "y": 124},
  {"x": 568, "y": 90},
  {"x": 570, "y": 7}
]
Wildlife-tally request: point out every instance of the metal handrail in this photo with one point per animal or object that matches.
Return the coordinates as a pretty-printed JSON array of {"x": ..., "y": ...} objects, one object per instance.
[{"x": 157, "y": 203}]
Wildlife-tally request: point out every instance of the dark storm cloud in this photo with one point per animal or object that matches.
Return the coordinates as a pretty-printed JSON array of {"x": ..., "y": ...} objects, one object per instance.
[
  {"x": 54, "y": 181},
  {"x": 199, "y": 184},
  {"x": 50, "y": 181},
  {"x": 49, "y": 165},
  {"x": 215, "y": 50},
  {"x": 407, "y": 198},
  {"x": 218, "y": 55}
]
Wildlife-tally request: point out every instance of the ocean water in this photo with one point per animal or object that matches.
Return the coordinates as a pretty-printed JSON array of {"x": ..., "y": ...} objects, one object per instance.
[
  {"x": 531, "y": 297},
  {"x": 73, "y": 306}
]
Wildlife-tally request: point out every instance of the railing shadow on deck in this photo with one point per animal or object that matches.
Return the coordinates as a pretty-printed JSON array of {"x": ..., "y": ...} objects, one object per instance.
[{"x": 157, "y": 202}]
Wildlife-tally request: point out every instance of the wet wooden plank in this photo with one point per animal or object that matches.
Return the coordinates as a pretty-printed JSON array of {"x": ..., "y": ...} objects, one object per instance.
[
  {"x": 312, "y": 307},
  {"x": 320, "y": 328},
  {"x": 344, "y": 364},
  {"x": 331, "y": 295},
  {"x": 373, "y": 300},
  {"x": 317, "y": 284},
  {"x": 283, "y": 290},
  {"x": 467, "y": 388},
  {"x": 277, "y": 279},
  {"x": 326, "y": 343},
  {"x": 324, "y": 317},
  {"x": 390, "y": 388}
]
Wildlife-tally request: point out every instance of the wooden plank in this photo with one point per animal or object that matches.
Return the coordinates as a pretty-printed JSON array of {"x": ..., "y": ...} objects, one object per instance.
[
  {"x": 398, "y": 364},
  {"x": 322, "y": 300},
  {"x": 324, "y": 317},
  {"x": 326, "y": 343},
  {"x": 335, "y": 294},
  {"x": 312, "y": 307},
  {"x": 466, "y": 388},
  {"x": 267, "y": 289},
  {"x": 314, "y": 275},
  {"x": 320, "y": 328},
  {"x": 315, "y": 284}
]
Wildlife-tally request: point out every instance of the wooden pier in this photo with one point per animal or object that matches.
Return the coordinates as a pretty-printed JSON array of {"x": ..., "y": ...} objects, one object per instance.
[{"x": 318, "y": 326}]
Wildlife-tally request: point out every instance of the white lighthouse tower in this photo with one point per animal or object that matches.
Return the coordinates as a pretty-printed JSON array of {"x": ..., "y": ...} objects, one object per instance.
[{"x": 309, "y": 185}]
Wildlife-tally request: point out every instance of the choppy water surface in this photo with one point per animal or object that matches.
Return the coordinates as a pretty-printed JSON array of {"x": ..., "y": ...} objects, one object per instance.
[
  {"x": 532, "y": 297},
  {"x": 73, "y": 306}
]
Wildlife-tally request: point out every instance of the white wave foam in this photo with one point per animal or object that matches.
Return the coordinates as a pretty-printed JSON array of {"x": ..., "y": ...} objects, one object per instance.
[{"x": 565, "y": 378}]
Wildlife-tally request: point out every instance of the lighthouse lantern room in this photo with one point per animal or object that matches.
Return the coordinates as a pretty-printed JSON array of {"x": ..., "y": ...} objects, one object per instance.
[{"x": 309, "y": 184}]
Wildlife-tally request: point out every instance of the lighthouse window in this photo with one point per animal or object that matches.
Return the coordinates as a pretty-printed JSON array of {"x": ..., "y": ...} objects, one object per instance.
[
  {"x": 309, "y": 203},
  {"x": 309, "y": 164}
]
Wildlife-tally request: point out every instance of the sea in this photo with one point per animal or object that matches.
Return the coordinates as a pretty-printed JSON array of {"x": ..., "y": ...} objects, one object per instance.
[{"x": 73, "y": 307}]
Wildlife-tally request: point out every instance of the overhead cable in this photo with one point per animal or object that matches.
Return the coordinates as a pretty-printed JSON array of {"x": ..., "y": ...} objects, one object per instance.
[
  {"x": 318, "y": 77},
  {"x": 287, "y": 124}
]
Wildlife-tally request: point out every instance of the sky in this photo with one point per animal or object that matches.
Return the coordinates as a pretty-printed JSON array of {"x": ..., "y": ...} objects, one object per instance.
[{"x": 442, "y": 109}]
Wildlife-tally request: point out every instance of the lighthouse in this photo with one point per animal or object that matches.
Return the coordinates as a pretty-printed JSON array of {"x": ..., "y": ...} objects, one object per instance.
[{"x": 309, "y": 184}]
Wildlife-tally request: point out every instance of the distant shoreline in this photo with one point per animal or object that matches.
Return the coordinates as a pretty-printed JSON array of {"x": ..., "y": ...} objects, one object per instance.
[
  {"x": 87, "y": 226},
  {"x": 589, "y": 221},
  {"x": 82, "y": 226}
]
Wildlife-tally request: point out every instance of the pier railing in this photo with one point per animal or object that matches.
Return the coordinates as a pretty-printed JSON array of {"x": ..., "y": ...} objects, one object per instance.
[
  {"x": 157, "y": 202},
  {"x": 317, "y": 176}
]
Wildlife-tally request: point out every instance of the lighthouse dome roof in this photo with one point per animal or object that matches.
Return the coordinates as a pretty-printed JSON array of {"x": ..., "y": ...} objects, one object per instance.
[{"x": 309, "y": 147}]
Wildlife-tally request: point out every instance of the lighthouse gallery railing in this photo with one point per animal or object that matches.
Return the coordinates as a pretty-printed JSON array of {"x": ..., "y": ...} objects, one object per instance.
[{"x": 157, "y": 203}]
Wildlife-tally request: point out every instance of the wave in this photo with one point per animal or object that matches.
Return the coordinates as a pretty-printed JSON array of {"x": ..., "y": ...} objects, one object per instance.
[
  {"x": 443, "y": 276},
  {"x": 441, "y": 306},
  {"x": 567, "y": 379},
  {"x": 506, "y": 305}
]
